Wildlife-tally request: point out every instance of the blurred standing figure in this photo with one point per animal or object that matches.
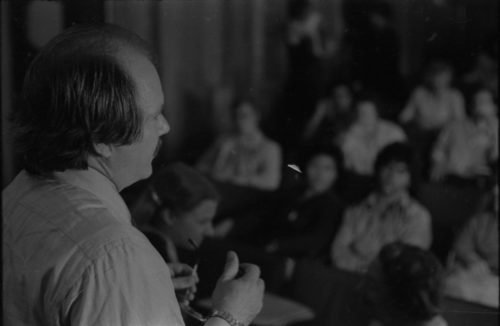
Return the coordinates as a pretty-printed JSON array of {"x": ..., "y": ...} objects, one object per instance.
[
  {"x": 388, "y": 214},
  {"x": 367, "y": 136},
  {"x": 246, "y": 157},
  {"x": 307, "y": 46},
  {"x": 378, "y": 53},
  {"x": 468, "y": 148},
  {"x": 90, "y": 126}
]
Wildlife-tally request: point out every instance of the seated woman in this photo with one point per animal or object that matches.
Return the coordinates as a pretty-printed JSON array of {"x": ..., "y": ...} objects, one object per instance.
[
  {"x": 246, "y": 157},
  {"x": 435, "y": 103},
  {"x": 403, "y": 287},
  {"x": 473, "y": 263},
  {"x": 388, "y": 214},
  {"x": 431, "y": 107},
  {"x": 307, "y": 219},
  {"x": 182, "y": 204},
  {"x": 366, "y": 137},
  {"x": 467, "y": 148}
]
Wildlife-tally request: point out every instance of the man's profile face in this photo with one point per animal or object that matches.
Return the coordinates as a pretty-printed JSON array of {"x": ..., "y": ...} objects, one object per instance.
[{"x": 130, "y": 163}]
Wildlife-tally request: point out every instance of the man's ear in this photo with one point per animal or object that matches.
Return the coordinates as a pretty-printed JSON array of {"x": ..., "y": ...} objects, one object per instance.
[{"x": 103, "y": 149}]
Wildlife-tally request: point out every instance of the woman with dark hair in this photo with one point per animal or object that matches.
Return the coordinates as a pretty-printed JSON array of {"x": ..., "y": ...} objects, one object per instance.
[
  {"x": 309, "y": 217},
  {"x": 403, "y": 287},
  {"x": 388, "y": 214},
  {"x": 246, "y": 157}
]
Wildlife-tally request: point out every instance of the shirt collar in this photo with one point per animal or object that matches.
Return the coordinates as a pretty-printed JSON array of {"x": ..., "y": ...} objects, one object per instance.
[
  {"x": 99, "y": 185},
  {"x": 378, "y": 199}
]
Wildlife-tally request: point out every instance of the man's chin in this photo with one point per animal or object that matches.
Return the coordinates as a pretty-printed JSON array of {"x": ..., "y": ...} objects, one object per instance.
[{"x": 157, "y": 149}]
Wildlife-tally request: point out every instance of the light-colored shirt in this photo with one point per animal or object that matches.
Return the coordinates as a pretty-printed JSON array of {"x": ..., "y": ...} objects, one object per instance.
[
  {"x": 367, "y": 227},
  {"x": 255, "y": 163},
  {"x": 72, "y": 257},
  {"x": 466, "y": 149},
  {"x": 360, "y": 148},
  {"x": 478, "y": 241},
  {"x": 430, "y": 111}
]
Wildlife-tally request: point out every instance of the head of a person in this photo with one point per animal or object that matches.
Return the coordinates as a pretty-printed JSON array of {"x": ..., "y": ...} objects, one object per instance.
[
  {"x": 342, "y": 98},
  {"x": 246, "y": 116},
  {"x": 393, "y": 167},
  {"x": 404, "y": 285},
  {"x": 92, "y": 94},
  {"x": 366, "y": 112},
  {"x": 439, "y": 75},
  {"x": 483, "y": 104},
  {"x": 299, "y": 9},
  {"x": 186, "y": 204},
  {"x": 322, "y": 165}
]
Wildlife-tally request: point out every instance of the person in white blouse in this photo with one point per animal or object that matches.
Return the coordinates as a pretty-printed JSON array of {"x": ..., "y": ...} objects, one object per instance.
[{"x": 245, "y": 157}]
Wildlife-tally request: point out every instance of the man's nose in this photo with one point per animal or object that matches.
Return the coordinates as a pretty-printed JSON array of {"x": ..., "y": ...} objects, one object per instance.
[{"x": 164, "y": 126}]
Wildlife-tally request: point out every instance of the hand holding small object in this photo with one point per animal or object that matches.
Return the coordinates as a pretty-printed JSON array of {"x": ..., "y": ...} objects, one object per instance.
[{"x": 239, "y": 290}]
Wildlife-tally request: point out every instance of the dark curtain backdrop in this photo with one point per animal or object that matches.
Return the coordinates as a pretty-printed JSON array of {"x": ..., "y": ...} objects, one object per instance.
[{"x": 212, "y": 50}]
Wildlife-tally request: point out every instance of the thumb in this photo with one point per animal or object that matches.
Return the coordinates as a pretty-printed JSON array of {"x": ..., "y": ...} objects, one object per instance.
[{"x": 231, "y": 267}]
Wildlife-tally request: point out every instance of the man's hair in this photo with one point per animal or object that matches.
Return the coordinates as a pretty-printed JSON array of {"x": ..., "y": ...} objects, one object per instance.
[
  {"x": 76, "y": 94},
  {"x": 397, "y": 152},
  {"x": 413, "y": 277},
  {"x": 323, "y": 148},
  {"x": 181, "y": 188}
]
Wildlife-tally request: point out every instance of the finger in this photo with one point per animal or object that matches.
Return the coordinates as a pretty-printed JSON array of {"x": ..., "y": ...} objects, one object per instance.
[
  {"x": 250, "y": 272},
  {"x": 231, "y": 267},
  {"x": 261, "y": 285},
  {"x": 184, "y": 282},
  {"x": 180, "y": 269}
]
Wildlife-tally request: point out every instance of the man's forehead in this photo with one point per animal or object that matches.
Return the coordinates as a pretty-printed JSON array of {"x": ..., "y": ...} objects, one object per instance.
[{"x": 143, "y": 73}]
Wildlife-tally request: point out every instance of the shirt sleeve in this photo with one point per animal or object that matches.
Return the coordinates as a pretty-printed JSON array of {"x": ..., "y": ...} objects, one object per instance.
[
  {"x": 465, "y": 248},
  {"x": 341, "y": 251},
  {"x": 458, "y": 105},
  {"x": 408, "y": 113},
  {"x": 269, "y": 176},
  {"x": 127, "y": 285},
  {"x": 419, "y": 231}
]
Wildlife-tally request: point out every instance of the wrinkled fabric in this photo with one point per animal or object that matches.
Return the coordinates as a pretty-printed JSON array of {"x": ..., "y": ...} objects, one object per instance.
[{"x": 72, "y": 257}]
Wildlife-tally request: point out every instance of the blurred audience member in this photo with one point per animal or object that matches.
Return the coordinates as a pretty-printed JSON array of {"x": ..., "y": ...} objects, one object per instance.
[
  {"x": 310, "y": 217},
  {"x": 380, "y": 52},
  {"x": 435, "y": 103},
  {"x": 474, "y": 260},
  {"x": 182, "y": 204},
  {"x": 366, "y": 137},
  {"x": 333, "y": 115},
  {"x": 307, "y": 46},
  {"x": 468, "y": 148},
  {"x": 430, "y": 108},
  {"x": 246, "y": 157},
  {"x": 484, "y": 72},
  {"x": 404, "y": 287},
  {"x": 388, "y": 214}
]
